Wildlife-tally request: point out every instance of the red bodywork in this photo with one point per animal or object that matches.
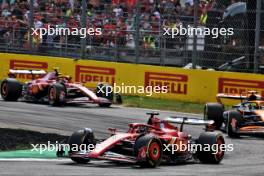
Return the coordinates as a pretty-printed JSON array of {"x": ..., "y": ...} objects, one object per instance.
[
  {"x": 38, "y": 89},
  {"x": 162, "y": 129}
]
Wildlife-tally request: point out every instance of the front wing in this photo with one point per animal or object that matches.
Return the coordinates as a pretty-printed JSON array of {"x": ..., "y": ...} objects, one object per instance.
[{"x": 111, "y": 156}]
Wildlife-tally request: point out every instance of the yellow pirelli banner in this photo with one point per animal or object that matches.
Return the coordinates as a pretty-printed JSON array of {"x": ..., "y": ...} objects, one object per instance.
[{"x": 185, "y": 85}]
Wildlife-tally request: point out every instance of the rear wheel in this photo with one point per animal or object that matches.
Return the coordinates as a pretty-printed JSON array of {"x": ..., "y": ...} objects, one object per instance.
[
  {"x": 148, "y": 151},
  {"x": 57, "y": 94},
  {"x": 214, "y": 154},
  {"x": 81, "y": 140},
  {"x": 11, "y": 89},
  {"x": 105, "y": 91},
  {"x": 233, "y": 121},
  {"x": 214, "y": 111}
]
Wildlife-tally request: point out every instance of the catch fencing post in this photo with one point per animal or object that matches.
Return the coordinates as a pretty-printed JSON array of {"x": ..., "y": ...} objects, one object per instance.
[
  {"x": 83, "y": 25},
  {"x": 195, "y": 18},
  {"x": 137, "y": 30},
  {"x": 257, "y": 37},
  {"x": 31, "y": 24}
]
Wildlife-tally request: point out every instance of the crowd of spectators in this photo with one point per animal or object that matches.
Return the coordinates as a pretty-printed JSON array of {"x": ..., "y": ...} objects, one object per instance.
[{"x": 116, "y": 18}]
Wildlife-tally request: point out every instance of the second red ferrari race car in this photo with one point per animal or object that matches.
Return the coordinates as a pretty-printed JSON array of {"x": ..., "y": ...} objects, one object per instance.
[
  {"x": 148, "y": 144},
  {"x": 54, "y": 88}
]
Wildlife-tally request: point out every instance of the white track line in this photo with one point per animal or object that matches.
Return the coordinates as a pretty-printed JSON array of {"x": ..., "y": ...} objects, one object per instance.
[{"x": 33, "y": 159}]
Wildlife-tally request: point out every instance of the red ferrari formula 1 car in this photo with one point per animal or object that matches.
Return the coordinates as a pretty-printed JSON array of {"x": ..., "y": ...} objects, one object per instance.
[
  {"x": 52, "y": 87},
  {"x": 148, "y": 144},
  {"x": 246, "y": 118}
]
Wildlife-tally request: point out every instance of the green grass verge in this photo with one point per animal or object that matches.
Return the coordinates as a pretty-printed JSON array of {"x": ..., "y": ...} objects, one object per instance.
[{"x": 161, "y": 104}]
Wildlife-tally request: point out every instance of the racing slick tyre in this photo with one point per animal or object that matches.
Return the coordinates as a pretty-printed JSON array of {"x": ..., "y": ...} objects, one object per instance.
[
  {"x": 76, "y": 141},
  {"x": 105, "y": 91},
  {"x": 233, "y": 121},
  {"x": 57, "y": 94},
  {"x": 11, "y": 89},
  {"x": 214, "y": 111},
  {"x": 214, "y": 154},
  {"x": 106, "y": 105},
  {"x": 148, "y": 151}
]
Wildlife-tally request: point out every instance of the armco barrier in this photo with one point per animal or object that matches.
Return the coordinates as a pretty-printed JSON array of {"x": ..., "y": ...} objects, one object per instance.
[{"x": 185, "y": 85}]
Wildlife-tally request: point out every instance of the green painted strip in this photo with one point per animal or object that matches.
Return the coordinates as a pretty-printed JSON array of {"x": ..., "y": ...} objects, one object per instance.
[{"x": 28, "y": 154}]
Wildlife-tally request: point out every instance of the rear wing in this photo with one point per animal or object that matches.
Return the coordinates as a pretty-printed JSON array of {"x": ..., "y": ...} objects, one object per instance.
[
  {"x": 34, "y": 72},
  {"x": 13, "y": 72},
  {"x": 250, "y": 95},
  {"x": 188, "y": 121}
]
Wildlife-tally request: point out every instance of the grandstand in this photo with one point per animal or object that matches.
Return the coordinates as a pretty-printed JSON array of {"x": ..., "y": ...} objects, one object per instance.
[{"x": 132, "y": 31}]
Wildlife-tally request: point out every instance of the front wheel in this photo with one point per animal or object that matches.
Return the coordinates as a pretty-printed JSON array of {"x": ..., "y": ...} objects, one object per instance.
[
  {"x": 105, "y": 105},
  {"x": 57, "y": 94},
  {"x": 105, "y": 91},
  {"x": 233, "y": 121},
  {"x": 81, "y": 140}
]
